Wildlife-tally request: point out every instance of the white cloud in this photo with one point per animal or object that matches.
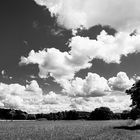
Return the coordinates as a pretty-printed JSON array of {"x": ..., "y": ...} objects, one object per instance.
[
  {"x": 64, "y": 65},
  {"x": 54, "y": 62},
  {"x": 14, "y": 102},
  {"x": 120, "y": 14},
  {"x": 31, "y": 98},
  {"x": 95, "y": 86},
  {"x": 3, "y": 72},
  {"x": 52, "y": 98},
  {"x": 90, "y": 93},
  {"x": 33, "y": 76},
  {"x": 107, "y": 47},
  {"x": 5, "y": 76},
  {"x": 92, "y": 86},
  {"x": 121, "y": 82},
  {"x": 33, "y": 87},
  {"x": 115, "y": 103},
  {"x": 16, "y": 95}
]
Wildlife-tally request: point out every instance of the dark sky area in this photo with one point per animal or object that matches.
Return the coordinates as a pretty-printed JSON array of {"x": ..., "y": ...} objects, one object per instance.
[{"x": 25, "y": 26}]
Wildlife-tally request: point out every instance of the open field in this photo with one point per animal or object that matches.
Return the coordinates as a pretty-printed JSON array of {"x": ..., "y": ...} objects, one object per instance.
[{"x": 67, "y": 130}]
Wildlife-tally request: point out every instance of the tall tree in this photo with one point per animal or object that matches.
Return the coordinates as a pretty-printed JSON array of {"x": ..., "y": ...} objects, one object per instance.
[{"x": 134, "y": 92}]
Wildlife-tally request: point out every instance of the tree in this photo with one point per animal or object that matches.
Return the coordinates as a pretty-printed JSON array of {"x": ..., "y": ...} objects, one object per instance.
[
  {"x": 125, "y": 114},
  {"x": 12, "y": 114},
  {"x": 102, "y": 113},
  {"x": 117, "y": 116},
  {"x": 134, "y": 92},
  {"x": 20, "y": 115},
  {"x": 135, "y": 113},
  {"x": 31, "y": 117},
  {"x": 71, "y": 115}
]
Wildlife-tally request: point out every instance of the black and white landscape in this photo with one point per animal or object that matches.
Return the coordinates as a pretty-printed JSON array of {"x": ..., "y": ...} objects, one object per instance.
[{"x": 69, "y": 56}]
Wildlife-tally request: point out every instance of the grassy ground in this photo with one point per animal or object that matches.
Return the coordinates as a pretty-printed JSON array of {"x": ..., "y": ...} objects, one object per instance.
[{"x": 67, "y": 130}]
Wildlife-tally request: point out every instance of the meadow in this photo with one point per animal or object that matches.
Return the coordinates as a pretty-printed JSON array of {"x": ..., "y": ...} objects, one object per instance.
[{"x": 67, "y": 130}]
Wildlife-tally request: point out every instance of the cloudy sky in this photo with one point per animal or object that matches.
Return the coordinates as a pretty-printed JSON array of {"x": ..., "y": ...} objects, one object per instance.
[{"x": 68, "y": 54}]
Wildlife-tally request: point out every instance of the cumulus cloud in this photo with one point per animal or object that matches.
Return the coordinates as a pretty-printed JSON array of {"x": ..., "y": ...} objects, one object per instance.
[
  {"x": 64, "y": 65},
  {"x": 74, "y": 13},
  {"x": 54, "y": 63},
  {"x": 52, "y": 98},
  {"x": 96, "y": 86},
  {"x": 16, "y": 95},
  {"x": 115, "y": 103},
  {"x": 84, "y": 94},
  {"x": 107, "y": 47},
  {"x": 121, "y": 82},
  {"x": 31, "y": 98},
  {"x": 92, "y": 86}
]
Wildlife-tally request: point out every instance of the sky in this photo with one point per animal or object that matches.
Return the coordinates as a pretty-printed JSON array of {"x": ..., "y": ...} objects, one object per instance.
[{"x": 59, "y": 55}]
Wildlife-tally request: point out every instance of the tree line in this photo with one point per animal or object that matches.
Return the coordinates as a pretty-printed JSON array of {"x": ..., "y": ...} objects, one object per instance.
[{"x": 102, "y": 113}]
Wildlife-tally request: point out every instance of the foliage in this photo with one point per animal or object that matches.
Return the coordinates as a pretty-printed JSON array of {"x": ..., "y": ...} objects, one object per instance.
[
  {"x": 135, "y": 113},
  {"x": 31, "y": 116},
  {"x": 134, "y": 92},
  {"x": 102, "y": 113},
  {"x": 125, "y": 114}
]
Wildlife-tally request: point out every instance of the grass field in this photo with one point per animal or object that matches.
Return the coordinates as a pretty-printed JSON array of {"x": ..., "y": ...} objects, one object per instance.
[{"x": 67, "y": 130}]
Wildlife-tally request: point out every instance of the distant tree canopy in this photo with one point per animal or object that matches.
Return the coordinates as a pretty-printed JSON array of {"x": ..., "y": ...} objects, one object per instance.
[
  {"x": 102, "y": 113},
  {"x": 134, "y": 92}
]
